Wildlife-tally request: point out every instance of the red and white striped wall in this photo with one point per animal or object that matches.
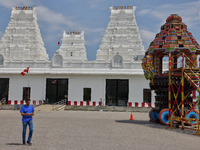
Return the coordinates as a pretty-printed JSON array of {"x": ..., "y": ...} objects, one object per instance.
[
  {"x": 15, "y": 102},
  {"x": 93, "y": 103},
  {"x": 80, "y": 103},
  {"x": 136, "y": 104}
]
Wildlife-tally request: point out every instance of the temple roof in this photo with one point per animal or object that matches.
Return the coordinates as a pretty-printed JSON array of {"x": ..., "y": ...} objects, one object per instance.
[
  {"x": 174, "y": 18},
  {"x": 173, "y": 36}
]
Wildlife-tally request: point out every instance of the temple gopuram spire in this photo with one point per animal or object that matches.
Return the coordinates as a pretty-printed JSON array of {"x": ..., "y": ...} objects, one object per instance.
[
  {"x": 121, "y": 36},
  {"x": 22, "y": 38}
]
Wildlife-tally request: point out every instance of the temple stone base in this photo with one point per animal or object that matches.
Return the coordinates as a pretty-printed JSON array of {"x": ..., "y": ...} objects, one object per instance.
[{"x": 108, "y": 108}]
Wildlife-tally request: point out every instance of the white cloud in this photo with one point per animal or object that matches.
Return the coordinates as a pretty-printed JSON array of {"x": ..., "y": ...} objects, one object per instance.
[
  {"x": 53, "y": 18},
  {"x": 94, "y": 3},
  {"x": 57, "y": 22},
  {"x": 147, "y": 37},
  {"x": 14, "y": 3},
  {"x": 144, "y": 11},
  {"x": 94, "y": 6},
  {"x": 94, "y": 41},
  {"x": 90, "y": 30},
  {"x": 190, "y": 12}
]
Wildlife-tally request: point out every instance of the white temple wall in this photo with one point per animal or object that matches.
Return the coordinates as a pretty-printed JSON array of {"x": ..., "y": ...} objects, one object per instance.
[
  {"x": 136, "y": 85},
  {"x": 98, "y": 86},
  {"x": 17, "y": 82},
  {"x": 76, "y": 83}
]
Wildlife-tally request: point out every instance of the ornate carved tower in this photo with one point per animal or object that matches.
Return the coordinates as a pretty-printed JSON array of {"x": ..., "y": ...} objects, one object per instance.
[
  {"x": 22, "y": 38},
  {"x": 73, "y": 46},
  {"x": 122, "y": 36}
]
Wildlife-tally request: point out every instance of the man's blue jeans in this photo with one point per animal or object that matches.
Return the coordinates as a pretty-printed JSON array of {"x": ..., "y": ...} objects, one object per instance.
[{"x": 30, "y": 123}]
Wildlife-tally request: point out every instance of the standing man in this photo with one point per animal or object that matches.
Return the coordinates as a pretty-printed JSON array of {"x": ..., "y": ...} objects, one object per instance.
[{"x": 27, "y": 111}]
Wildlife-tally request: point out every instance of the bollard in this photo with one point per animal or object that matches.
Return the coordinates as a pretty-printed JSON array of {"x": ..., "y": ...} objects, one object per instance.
[
  {"x": 9, "y": 102},
  {"x": 34, "y": 102},
  {"x": 149, "y": 104},
  {"x": 69, "y": 103},
  {"x": 100, "y": 103},
  {"x": 40, "y": 102},
  {"x": 22, "y": 102},
  {"x": 129, "y": 104},
  {"x": 15, "y": 102},
  {"x": 143, "y": 104}
]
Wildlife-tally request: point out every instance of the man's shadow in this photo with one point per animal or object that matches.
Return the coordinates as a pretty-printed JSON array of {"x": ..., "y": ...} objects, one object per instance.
[{"x": 14, "y": 144}]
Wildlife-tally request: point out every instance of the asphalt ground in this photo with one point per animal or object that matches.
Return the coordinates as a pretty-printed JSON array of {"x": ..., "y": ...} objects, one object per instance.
[{"x": 89, "y": 130}]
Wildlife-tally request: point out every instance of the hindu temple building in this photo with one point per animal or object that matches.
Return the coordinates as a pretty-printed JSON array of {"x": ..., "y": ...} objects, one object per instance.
[{"x": 115, "y": 77}]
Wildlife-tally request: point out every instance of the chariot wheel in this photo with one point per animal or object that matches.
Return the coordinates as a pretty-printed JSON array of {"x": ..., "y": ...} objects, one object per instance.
[
  {"x": 191, "y": 115},
  {"x": 163, "y": 116},
  {"x": 153, "y": 116}
]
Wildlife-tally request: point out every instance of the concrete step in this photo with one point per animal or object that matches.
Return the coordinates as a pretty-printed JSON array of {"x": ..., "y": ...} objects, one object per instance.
[
  {"x": 45, "y": 107},
  {"x": 109, "y": 108}
]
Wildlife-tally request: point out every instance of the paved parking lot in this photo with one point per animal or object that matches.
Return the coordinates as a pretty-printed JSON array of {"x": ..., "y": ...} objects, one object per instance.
[{"x": 87, "y": 130}]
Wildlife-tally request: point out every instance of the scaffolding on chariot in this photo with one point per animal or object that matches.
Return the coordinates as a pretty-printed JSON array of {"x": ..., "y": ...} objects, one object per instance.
[{"x": 190, "y": 71}]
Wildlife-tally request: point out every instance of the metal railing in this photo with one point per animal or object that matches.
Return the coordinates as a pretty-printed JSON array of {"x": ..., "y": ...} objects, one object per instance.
[
  {"x": 59, "y": 104},
  {"x": 2, "y": 103}
]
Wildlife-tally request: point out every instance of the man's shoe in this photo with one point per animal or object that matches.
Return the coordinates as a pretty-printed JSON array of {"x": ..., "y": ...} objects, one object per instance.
[
  {"x": 24, "y": 143},
  {"x": 29, "y": 143}
]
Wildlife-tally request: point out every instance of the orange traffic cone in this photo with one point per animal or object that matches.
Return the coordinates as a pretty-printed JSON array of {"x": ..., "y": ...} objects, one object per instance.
[{"x": 131, "y": 118}]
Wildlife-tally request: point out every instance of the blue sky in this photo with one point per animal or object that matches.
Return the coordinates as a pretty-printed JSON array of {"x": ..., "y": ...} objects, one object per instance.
[{"x": 92, "y": 16}]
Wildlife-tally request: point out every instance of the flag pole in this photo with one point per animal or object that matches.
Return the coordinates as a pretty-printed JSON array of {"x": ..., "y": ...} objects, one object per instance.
[
  {"x": 29, "y": 82},
  {"x": 29, "y": 76}
]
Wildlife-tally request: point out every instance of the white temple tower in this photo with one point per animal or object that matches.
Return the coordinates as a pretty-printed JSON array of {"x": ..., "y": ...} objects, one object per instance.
[
  {"x": 73, "y": 46},
  {"x": 22, "y": 38},
  {"x": 122, "y": 36}
]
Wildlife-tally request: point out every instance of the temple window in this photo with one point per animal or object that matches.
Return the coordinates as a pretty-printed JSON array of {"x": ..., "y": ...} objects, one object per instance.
[{"x": 117, "y": 61}]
